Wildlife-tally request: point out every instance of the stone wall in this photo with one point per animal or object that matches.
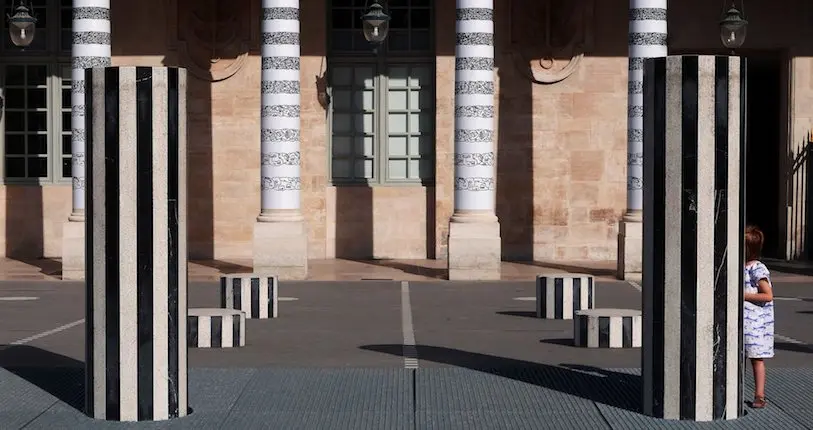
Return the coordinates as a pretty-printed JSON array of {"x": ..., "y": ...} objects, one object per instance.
[{"x": 561, "y": 146}]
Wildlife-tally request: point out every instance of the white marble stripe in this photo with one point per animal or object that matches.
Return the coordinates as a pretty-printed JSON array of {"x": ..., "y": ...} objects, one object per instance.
[
  {"x": 550, "y": 298},
  {"x": 616, "y": 332},
  {"x": 475, "y": 99},
  {"x": 734, "y": 266},
  {"x": 274, "y": 297},
  {"x": 160, "y": 268},
  {"x": 649, "y": 4},
  {"x": 98, "y": 228},
  {"x": 567, "y": 298},
  {"x": 592, "y": 332},
  {"x": 280, "y": 99},
  {"x": 128, "y": 236},
  {"x": 672, "y": 240},
  {"x": 475, "y": 51},
  {"x": 291, "y": 51},
  {"x": 182, "y": 246},
  {"x": 280, "y": 25},
  {"x": 227, "y": 331},
  {"x": 471, "y": 75},
  {"x": 91, "y": 25},
  {"x": 636, "y": 331},
  {"x": 281, "y": 123},
  {"x": 704, "y": 296},
  {"x": 647, "y": 26},
  {"x": 647, "y": 51},
  {"x": 263, "y": 299},
  {"x": 91, "y": 3},
  {"x": 204, "y": 332}
]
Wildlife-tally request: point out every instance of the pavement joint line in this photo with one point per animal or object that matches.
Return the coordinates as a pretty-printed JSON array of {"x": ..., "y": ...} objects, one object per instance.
[
  {"x": 17, "y": 299},
  {"x": 635, "y": 285},
  {"x": 410, "y": 352},
  {"x": 47, "y": 333},
  {"x": 787, "y": 339}
]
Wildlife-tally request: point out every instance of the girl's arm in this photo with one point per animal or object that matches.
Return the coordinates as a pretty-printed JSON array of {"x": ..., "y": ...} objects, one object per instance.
[{"x": 764, "y": 294}]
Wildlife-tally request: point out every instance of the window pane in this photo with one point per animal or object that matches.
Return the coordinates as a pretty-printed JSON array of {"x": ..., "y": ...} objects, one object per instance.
[
  {"x": 367, "y": 126},
  {"x": 15, "y": 144},
  {"x": 397, "y": 123},
  {"x": 15, "y": 121},
  {"x": 37, "y": 121},
  {"x": 341, "y": 100},
  {"x": 37, "y": 98},
  {"x": 15, "y": 167},
  {"x": 36, "y": 75},
  {"x": 66, "y": 121},
  {"x": 342, "y": 146},
  {"x": 37, "y": 167},
  {"x": 364, "y": 77},
  {"x": 342, "y": 169},
  {"x": 364, "y": 169},
  {"x": 15, "y": 98},
  {"x": 368, "y": 101},
  {"x": 398, "y": 100},
  {"x": 342, "y": 123},
  {"x": 66, "y": 98},
  {"x": 342, "y": 76},
  {"x": 66, "y": 144},
  {"x": 398, "y": 146},
  {"x": 419, "y": 18},
  {"x": 398, "y": 77},
  {"x": 66, "y": 167},
  {"x": 37, "y": 144},
  {"x": 343, "y": 18},
  {"x": 365, "y": 146},
  {"x": 398, "y": 169}
]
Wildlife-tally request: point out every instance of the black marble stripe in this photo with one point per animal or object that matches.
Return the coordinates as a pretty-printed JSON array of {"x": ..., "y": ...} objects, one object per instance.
[
  {"x": 590, "y": 298},
  {"x": 281, "y": 63},
  {"x": 174, "y": 256},
  {"x": 558, "y": 295},
  {"x": 90, "y": 12},
  {"x": 577, "y": 294},
  {"x": 603, "y": 332},
  {"x": 653, "y": 329},
  {"x": 626, "y": 332},
  {"x": 111, "y": 239},
  {"x": 235, "y": 326},
  {"x": 90, "y": 239},
  {"x": 192, "y": 332},
  {"x": 90, "y": 62},
  {"x": 476, "y": 14},
  {"x": 647, "y": 13},
  {"x": 223, "y": 303},
  {"x": 237, "y": 291},
  {"x": 91, "y": 38},
  {"x": 468, "y": 39},
  {"x": 216, "y": 331},
  {"x": 688, "y": 232},
  {"x": 541, "y": 300},
  {"x": 255, "y": 297},
  {"x": 720, "y": 349},
  {"x": 583, "y": 330},
  {"x": 271, "y": 13},
  {"x": 144, "y": 241},
  {"x": 280, "y": 38},
  {"x": 647, "y": 39},
  {"x": 473, "y": 63}
]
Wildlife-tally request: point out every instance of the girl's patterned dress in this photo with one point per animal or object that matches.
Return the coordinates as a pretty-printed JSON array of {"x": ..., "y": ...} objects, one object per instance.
[{"x": 758, "y": 318}]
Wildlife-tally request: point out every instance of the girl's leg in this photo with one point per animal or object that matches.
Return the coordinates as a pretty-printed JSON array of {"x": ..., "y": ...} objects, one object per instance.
[{"x": 758, "y": 365}]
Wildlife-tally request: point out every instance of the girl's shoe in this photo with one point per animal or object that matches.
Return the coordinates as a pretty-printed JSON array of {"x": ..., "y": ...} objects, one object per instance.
[{"x": 759, "y": 402}]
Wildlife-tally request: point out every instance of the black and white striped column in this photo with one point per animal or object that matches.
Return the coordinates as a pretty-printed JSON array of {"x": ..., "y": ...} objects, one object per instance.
[
  {"x": 647, "y": 39},
  {"x": 474, "y": 249},
  {"x": 559, "y": 296},
  {"x": 474, "y": 107},
  {"x": 136, "y": 306},
  {"x": 693, "y": 226},
  {"x": 607, "y": 328},
  {"x": 215, "y": 328},
  {"x": 256, "y": 295},
  {"x": 90, "y": 48},
  {"x": 280, "y": 104}
]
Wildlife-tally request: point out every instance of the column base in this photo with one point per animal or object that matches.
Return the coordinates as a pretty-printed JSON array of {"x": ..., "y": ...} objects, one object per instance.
[
  {"x": 630, "y": 248},
  {"x": 281, "y": 249},
  {"x": 475, "y": 249},
  {"x": 73, "y": 250}
]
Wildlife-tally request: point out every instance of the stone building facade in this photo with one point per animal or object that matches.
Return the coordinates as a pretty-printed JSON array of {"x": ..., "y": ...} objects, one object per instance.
[{"x": 377, "y": 130}]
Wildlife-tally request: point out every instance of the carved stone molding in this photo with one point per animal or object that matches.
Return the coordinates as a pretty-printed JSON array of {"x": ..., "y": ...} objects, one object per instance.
[
  {"x": 212, "y": 38},
  {"x": 550, "y": 37}
]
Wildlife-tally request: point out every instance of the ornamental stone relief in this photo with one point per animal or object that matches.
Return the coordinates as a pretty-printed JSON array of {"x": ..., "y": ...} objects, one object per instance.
[
  {"x": 211, "y": 37},
  {"x": 549, "y": 37}
]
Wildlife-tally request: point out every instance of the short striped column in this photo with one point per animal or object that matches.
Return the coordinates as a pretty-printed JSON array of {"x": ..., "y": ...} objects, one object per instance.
[
  {"x": 136, "y": 244},
  {"x": 693, "y": 225},
  {"x": 254, "y": 294},
  {"x": 607, "y": 328},
  {"x": 558, "y": 296},
  {"x": 216, "y": 328}
]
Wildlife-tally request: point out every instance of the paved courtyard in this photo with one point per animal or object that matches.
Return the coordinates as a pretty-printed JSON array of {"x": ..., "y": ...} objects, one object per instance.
[{"x": 336, "y": 359}]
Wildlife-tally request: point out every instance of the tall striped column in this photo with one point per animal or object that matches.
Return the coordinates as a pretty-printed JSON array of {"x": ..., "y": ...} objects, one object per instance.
[
  {"x": 647, "y": 39},
  {"x": 280, "y": 234},
  {"x": 136, "y": 366},
  {"x": 280, "y": 109},
  {"x": 90, "y": 48},
  {"x": 693, "y": 226},
  {"x": 472, "y": 251}
]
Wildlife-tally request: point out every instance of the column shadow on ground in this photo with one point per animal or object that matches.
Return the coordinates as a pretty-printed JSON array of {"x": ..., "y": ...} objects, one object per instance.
[
  {"x": 611, "y": 388},
  {"x": 62, "y": 377}
]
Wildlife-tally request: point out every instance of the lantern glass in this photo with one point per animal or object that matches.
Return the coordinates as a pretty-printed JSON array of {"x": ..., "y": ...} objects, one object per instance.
[
  {"x": 376, "y": 24},
  {"x": 733, "y": 29},
  {"x": 22, "y": 27}
]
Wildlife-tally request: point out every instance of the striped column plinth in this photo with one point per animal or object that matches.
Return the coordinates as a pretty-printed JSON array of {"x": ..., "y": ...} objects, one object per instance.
[
  {"x": 693, "y": 226},
  {"x": 216, "y": 328},
  {"x": 136, "y": 243},
  {"x": 607, "y": 328},
  {"x": 558, "y": 296},
  {"x": 254, "y": 294}
]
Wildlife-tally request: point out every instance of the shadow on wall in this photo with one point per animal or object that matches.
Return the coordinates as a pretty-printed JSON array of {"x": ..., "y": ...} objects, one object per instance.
[
  {"x": 24, "y": 222},
  {"x": 354, "y": 221},
  {"x": 616, "y": 389},
  {"x": 62, "y": 377}
]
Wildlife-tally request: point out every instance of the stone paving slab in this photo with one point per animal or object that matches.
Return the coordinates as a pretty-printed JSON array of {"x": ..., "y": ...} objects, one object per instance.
[{"x": 577, "y": 397}]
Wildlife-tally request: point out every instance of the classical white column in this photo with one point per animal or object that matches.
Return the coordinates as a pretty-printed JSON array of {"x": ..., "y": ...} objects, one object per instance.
[
  {"x": 692, "y": 352},
  {"x": 474, "y": 231},
  {"x": 280, "y": 236},
  {"x": 91, "y": 48},
  {"x": 647, "y": 39}
]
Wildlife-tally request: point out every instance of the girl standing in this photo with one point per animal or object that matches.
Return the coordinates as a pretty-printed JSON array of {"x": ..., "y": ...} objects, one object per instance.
[{"x": 758, "y": 324}]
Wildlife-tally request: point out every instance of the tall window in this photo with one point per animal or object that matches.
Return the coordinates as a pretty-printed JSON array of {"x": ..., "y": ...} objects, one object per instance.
[
  {"x": 382, "y": 114},
  {"x": 36, "y": 89}
]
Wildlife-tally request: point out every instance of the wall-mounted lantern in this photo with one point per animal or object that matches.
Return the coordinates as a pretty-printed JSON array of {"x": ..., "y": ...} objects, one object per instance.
[
  {"x": 21, "y": 25},
  {"x": 733, "y": 27},
  {"x": 376, "y": 24}
]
